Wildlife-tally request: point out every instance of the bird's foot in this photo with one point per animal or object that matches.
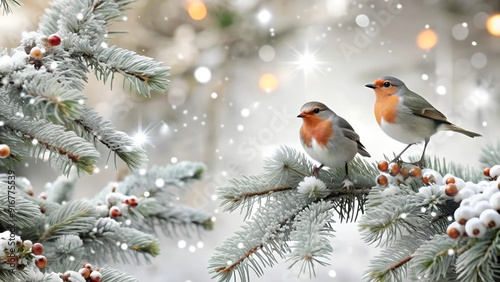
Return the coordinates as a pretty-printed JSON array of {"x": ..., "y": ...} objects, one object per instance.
[
  {"x": 397, "y": 160},
  {"x": 348, "y": 184},
  {"x": 420, "y": 163}
]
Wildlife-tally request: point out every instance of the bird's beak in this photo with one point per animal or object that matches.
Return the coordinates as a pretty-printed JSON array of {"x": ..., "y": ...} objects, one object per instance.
[
  {"x": 371, "y": 85},
  {"x": 301, "y": 115}
]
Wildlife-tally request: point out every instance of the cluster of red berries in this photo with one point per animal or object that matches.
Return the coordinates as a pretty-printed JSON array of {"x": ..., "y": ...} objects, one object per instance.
[
  {"x": 479, "y": 205},
  {"x": 87, "y": 272},
  {"x": 27, "y": 250},
  {"x": 396, "y": 173},
  {"x": 40, "y": 260},
  {"x": 36, "y": 52},
  {"x": 117, "y": 204}
]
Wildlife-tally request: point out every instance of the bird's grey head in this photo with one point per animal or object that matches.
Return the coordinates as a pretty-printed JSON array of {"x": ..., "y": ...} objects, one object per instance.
[{"x": 315, "y": 109}]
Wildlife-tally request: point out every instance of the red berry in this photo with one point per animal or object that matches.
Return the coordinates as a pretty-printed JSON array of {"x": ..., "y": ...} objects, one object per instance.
[
  {"x": 95, "y": 276},
  {"x": 394, "y": 169},
  {"x": 405, "y": 172},
  {"x": 382, "y": 180},
  {"x": 415, "y": 172},
  {"x": 114, "y": 212},
  {"x": 84, "y": 272},
  {"x": 383, "y": 166},
  {"x": 453, "y": 233},
  {"x": 4, "y": 151},
  {"x": 40, "y": 261},
  {"x": 486, "y": 172},
  {"x": 450, "y": 179},
  {"x": 133, "y": 201},
  {"x": 126, "y": 200},
  {"x": 451, "y": 190},
  {"x": 54, "y": 40},
  {"x": 37, "y": 249}
]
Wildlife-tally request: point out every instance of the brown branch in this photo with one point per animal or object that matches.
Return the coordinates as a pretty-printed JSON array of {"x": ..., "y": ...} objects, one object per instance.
[
  {"x": 229, "y": 268},
  {"x": 399, "y": 264},
  {"x": 260, "y": 193}
]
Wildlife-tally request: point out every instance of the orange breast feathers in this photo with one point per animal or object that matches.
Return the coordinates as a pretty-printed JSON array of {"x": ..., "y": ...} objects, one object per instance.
[
  {"x": 386, "y": 106},
  {"x": 317, "y": 128}
]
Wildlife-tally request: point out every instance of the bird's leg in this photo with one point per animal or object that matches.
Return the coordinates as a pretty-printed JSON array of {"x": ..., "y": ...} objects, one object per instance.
[
  {"x": 421, "y": 162},
  {"x": 347, "y": 183},
  {"x": 316, "y": 170},
  {"x": 398, "y": 157}
]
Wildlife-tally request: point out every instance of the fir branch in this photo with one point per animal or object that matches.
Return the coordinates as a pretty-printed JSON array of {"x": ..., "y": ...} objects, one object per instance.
[
  {"x": 157, "y": 178},
  {"x": 392, "y": 263},
  {"x": 93, "y": 127},
  {"x": 433, "y": 259},
  {"x": 142, "y": 72},
  {"x": 309, "y": 238},
  {"x": 64, "y": 253},
  {"x": 25, "y": 217},
  {"x": 255, "y": 244},
  {"x": 62, "y": 189},
  {"x": 480, "y": 261},
  {"x": 490, "y": 155},
  {"x": 101, "y": 243},
  {"x": 43, "y": 95},
  {"x": 111, "y": 274},
  {"x": 73, "y": 217},
  {"x": 65, "y": 148},
  {"x": 7, "y": 10}
]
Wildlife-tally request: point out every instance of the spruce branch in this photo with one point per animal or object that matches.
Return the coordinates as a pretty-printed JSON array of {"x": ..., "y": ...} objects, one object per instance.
[
  {"x": 142, "y": 72},
  {"x": 480, "y": 261},
  {"x": 24, "y": 217},
  {"x": 94, "y": 128},
  {"x": 74, "y": 217},
  {"x": 111, "y": 274},
  {"x": 433, "y": 259},
  {"x": 6, "y": 7},
  {"x": 64, "y": 147}
]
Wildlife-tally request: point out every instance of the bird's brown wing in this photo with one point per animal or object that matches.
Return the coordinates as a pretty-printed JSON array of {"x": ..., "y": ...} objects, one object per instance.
[
  {"x": 349, "y": 132},
  {"x": 421, "y": 107}
]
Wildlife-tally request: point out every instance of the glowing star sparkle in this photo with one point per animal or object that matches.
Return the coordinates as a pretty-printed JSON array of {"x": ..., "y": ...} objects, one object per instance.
[{"x": 307, "y": 62}]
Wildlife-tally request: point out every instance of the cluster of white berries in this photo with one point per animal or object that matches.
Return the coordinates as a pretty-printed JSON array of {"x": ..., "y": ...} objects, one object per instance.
[
  {"x": 18, "y": 253},
  {"x": 117, "y": 204},
  {"x": 479, "y": 202}
]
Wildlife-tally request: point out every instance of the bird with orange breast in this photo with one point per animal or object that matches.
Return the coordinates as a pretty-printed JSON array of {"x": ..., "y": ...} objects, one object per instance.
[
  {"x": 328, "y": 138},
  {"x": 406, "y": 116}
]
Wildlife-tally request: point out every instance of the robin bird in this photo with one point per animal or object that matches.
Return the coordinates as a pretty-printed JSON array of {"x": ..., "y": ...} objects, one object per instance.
[
  {"x": 328, "y": 138},
  {"x": 406, "y": 116}
]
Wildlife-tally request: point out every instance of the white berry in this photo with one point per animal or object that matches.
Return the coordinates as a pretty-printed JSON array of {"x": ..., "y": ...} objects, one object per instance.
[
  {"x": 463, "y": 214},
  {"x": 495, "y": 171},
  {"x": 495, "y": 201},
  {"x": 490, "y": 218},
  {"x": 480, "y": 206},
  {"x": 475, "y": 228}
]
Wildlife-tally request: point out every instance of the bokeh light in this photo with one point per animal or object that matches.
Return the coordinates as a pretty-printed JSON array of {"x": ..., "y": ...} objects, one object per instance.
[
  {"x": 427, "y": 39},
  {"x": 268, "y": 82},
  {"x": 197, "y": 10},
  {"x": 493, "y": 25},
  {"x": 202, "y": 74}
]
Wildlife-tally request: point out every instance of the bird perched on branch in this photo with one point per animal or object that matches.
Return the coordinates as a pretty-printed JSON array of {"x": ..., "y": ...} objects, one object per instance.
[
  {"x": 406, "y": 116},
  {"x": 328, "y": 138}
]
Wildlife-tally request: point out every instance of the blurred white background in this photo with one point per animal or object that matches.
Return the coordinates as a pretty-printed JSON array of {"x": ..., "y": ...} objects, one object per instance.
[{"x": 240, "y": 74}]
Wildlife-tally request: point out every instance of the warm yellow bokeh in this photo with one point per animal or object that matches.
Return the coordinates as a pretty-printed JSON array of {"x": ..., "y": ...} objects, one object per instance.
[
  {"x": 268, "y": 82},
  {"x": 493, "y": 24},
  {"x": 197, "y": 10},
  {"x": 427, "y": 39}
]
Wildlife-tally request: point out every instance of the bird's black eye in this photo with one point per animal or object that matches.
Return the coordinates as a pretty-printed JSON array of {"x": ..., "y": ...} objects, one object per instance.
[
  {"x": 387, "y": 84},
  {"x": 316, "y": 110}
]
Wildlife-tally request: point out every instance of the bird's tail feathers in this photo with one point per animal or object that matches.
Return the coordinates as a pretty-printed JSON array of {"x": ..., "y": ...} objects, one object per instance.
[
  {"x": 453, "y": 127},
  {"x": 362, "y": 150}
]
